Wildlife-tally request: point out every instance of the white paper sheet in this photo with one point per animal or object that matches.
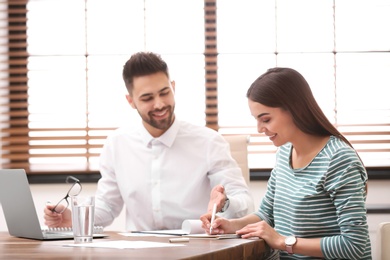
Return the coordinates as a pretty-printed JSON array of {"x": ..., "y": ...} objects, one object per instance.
[
  {"x": 189, "y": 226},
  {"x": 125, "y": 244},
  {"x": 140, "y": 234}
]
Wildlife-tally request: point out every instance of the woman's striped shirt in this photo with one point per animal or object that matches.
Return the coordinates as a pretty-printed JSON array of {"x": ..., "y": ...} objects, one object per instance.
[{"x": 324, "y": 199}]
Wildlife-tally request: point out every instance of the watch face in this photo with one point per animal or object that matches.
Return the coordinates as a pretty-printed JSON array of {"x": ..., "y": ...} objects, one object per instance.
[{"x": 290, "y": 240}]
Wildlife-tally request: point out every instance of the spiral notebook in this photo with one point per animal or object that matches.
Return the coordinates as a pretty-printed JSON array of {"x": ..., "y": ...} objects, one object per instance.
[{"x": 19, "y": 209}]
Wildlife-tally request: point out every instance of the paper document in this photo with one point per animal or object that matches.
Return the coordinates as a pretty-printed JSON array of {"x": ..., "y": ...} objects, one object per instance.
[
  {"x": 189, "y": 228},
  {"x": 124, "y": 244},
  {"x": 220, "y": 236}
]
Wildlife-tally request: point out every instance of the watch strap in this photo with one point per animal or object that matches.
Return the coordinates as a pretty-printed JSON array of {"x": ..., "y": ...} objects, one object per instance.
[
  {"x": 226, "y": 205},
  {"x": 289, "y": 249},
  {"x": 290, "y": 242}
]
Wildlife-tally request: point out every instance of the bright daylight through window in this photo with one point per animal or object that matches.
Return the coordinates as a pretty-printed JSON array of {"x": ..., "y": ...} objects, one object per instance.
[{"x": 76, "y": 51}]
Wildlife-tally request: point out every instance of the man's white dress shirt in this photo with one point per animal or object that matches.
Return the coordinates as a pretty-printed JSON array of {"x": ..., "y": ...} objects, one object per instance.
[{"x": 163, "y": 181}]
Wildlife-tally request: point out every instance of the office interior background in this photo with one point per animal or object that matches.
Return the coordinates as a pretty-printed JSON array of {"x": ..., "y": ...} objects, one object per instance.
[{"x": 61, "y": 90}]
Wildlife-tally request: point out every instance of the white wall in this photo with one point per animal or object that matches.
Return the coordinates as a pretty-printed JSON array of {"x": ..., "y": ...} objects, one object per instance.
[{"x": 379, "y": 193}]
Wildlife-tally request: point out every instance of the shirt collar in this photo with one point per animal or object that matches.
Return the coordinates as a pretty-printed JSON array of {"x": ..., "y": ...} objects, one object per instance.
[{"x": 167, "y": 138}]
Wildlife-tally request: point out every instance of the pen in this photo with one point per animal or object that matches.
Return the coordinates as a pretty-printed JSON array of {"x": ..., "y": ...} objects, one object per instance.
[
  {"x": 178, "y": 240},
  {"x": 213, "y": 217}
]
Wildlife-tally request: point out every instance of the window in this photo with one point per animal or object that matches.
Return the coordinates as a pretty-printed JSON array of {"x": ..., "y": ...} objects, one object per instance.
[
  {"x": 61, "y": 90},
  {"x": 345, "y": 59}
]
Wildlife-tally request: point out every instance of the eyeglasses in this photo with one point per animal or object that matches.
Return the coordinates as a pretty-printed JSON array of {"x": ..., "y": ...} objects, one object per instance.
[{"x": 74, "y": 190}]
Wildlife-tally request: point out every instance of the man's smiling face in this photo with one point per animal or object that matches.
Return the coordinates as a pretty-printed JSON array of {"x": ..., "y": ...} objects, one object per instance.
[{"x": 153, "y": 97}]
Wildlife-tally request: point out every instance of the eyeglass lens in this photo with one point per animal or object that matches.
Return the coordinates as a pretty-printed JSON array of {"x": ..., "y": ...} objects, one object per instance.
[
  {"x": 61, "y": 206},
  {"x": 74, "y": 190}
]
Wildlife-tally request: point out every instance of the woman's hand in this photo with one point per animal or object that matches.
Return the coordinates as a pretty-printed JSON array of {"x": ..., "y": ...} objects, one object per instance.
[
  {"x": 262, "y": 230},
  {"x": 220, "y": 225}
]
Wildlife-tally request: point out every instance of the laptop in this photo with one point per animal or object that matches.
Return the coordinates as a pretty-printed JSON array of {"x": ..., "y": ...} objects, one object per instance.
[{"x": 19, "y": 209}]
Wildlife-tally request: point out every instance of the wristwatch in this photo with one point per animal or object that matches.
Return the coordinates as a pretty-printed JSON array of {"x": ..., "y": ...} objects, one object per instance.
[
  {"x": 290, "y": 241},
  {"x": 226, "y": 205}
]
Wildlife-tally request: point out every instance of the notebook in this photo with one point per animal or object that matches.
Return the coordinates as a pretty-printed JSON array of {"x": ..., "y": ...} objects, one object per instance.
[
  {"x": 19, "y": 209},
  {"x": 191, "y": 228}
]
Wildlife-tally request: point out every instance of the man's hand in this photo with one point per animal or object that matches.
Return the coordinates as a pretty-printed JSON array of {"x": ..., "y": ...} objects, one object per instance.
[
  {"x": 54, "y": 219},
  {"x": 217, "y": 196}
]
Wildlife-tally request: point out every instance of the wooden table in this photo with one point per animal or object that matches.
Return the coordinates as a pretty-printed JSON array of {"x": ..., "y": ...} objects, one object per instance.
[{"x": 196, "y": 248}]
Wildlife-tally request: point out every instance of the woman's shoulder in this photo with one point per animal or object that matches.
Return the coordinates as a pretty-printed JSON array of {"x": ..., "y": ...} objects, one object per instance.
[
  {"x": 284, "y": 149},
  {"x": 337, "y": 147},
  {"x": 341, "y": 154}
]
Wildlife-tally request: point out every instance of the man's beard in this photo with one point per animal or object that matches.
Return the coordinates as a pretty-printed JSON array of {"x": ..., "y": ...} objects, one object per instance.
[{"x": 162, "y": 124}]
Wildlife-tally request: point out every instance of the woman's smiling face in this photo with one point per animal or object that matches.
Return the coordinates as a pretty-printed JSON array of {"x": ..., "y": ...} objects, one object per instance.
[{"x": 274, "y": 122}]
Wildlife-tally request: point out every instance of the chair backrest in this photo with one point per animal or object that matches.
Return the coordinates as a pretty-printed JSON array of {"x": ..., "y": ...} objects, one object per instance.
[
  {"x": 383, "y": 241},
  {"x": 239, "y": 150}
]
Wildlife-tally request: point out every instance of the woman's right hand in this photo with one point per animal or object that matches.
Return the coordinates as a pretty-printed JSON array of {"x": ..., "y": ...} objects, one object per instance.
[
  {"x": 54, "y": 219},
  {"x": 220, "y": 225}
]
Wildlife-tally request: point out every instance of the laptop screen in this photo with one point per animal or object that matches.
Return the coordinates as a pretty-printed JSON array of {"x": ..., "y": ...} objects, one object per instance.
[{"x": 18, "y": 205}]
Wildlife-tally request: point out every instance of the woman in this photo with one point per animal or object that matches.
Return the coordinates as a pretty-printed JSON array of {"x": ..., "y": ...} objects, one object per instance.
[{"x": 314, "y": 206}]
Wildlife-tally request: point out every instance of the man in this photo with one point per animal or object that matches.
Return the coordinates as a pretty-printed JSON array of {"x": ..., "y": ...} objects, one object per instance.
[{"x": 164, "y": 170}]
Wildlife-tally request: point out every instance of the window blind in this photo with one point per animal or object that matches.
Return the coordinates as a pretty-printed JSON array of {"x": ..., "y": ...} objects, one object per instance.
[
  {"x": 61, "y": 90},
  {"x": 74, "y": 95},
  {"x": 344, "y": 58},
  {"x": 14, "y": 84}
]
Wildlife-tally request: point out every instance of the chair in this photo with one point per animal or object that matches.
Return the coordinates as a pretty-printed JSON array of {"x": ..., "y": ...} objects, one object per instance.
[
  {"x": 383, "y": 241},
  {"x": 239, "y": 150}
]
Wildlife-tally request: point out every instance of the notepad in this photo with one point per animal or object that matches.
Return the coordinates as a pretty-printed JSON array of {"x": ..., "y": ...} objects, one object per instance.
[
  {"x": 191, "y": 228},
  {"x": 217, "y": 236}
]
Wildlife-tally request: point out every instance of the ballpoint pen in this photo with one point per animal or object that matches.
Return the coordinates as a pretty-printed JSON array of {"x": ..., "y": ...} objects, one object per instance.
[{"x": 213, "y": 217}]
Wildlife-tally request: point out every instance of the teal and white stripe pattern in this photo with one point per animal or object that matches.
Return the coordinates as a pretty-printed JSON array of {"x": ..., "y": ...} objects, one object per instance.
[{"x": 324, "y": 199}]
